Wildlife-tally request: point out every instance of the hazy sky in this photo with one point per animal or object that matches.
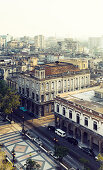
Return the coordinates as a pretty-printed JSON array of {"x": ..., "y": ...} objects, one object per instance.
[{"x": 68, "y": 18}]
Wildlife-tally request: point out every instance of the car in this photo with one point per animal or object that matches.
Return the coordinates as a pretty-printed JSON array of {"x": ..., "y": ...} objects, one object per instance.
[
  {"x": 88, "y": 151},
  {"x": 72, "y": 140},
  {"x": 52, "y": 154},
  {"x": 51, "y": 128},
  {"x": 38, "y": 141}
]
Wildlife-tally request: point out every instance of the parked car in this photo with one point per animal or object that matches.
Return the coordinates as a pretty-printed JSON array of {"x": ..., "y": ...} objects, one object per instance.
[
  {"x": 38, "y": 141},
  {"x": 51, "y": 128},
  {"x": 52, "y": 154},
  {"x": 72, "y": 140},
  {"x": 88, "y": 151}
]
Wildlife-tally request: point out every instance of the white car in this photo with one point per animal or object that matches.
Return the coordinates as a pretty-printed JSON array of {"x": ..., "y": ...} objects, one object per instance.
[
  {"x": 38, "y": 141},
  {"x": 52, "y": 154}
]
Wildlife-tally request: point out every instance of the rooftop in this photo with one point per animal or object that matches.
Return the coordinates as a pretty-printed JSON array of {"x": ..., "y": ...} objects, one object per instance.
[{"x": 85, "y": 98}]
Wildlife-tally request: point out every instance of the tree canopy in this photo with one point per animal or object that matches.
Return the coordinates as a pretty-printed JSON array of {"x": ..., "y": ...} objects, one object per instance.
[
  {"x": 8, "y": 99},
  {"x": 60, "y": 151},
  {"x": 4, "y": 164},
  {"x": 32, "y": 165}
]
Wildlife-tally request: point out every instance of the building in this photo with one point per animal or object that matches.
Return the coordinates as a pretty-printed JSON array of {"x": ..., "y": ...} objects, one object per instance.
[
  {"x": 80, "y": 114},
  {"x": 39, "y": 87},
  {"x": 80, "y": 63},
  {"x": 39, "y": 41}
]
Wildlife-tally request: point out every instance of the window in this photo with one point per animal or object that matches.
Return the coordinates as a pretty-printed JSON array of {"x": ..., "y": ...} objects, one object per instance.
[
  {"x": 63, "y": 111},
  {"x": 22, "y": 90},
  {"x": 42, "y": 98},
  {"x": 78, "y": 118},
  {"x": 32, "y": 95},
  {"x": 58, "y": 108},
  {"x": 27, "y": 92},
  {"x": 47, "y": 108},
  {"x": 52, "y": 85},
  {"x": 47, "y": 97},
  {"x": 52, "y": 107},
  {"x": 19, "y": 89},
  {"x": 95, "y": 125},
  {"x": 37, "y": 97},
  {"x": 70, "y": 114},
  {"x": 47, "y": 86},
  {"x": 42, "y": 87},
  {"x": 52, "y": 96},
  {"x": 86, "y": 121},
  {"x": 65, "y": 83},
  {"x": 59, "y": 84}
]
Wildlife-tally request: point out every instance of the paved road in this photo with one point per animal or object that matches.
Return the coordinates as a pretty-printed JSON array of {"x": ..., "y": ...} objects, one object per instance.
[{"x": 75, "y": 152}]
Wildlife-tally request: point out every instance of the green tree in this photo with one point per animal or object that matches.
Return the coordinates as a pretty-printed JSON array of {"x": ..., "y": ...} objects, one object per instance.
[
  {"x": 8, "y": 99},
  {"x": 85, "y": 163},
  {"x": 4, "y": 164},
  {"x": 32, "y": 165},
  {"x": 10, "y": 102},
  {"x": 60, "y": 151},
  {"x": 3, "y": 88}
]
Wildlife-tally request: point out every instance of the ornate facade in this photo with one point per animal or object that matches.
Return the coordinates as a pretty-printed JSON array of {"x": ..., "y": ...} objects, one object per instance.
[
  {"x": 39, "y": 87},
  {"x": 81, "y": 118}
]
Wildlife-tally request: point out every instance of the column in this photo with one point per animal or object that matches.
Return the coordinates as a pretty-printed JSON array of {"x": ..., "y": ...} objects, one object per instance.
[
  {"x": 82, "y": 135},
  {"x": 67, "y": 127},
  {"x": 74, "y": 135},
  {"x": 39, "y": 111},
  {"x": 91, "y": 142},
  {"x": 100, "y": 146}
]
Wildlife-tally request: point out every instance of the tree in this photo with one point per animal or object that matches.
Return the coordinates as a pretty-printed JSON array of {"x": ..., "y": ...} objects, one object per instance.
[
  {"x": 4, "y": 164},
  {"x": 60, "y": 151},
  {"x": 8, "y": 99},
  {"x": 10, "y": 102},
  {"x": 31, "y": 165},
  {"x": 85, "y": 163},
  {"x": 3, "y": 87}
]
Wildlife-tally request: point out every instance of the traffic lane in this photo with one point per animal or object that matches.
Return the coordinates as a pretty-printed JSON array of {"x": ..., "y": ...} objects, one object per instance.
[{"x": 76, "y": 152}]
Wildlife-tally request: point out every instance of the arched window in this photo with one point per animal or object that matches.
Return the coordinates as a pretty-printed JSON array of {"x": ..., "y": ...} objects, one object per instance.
[
  {"x": 57, "y": 108},
  {"x": 78, "y": 119},
  {"x": 86, "y": 121},
  {"x": 70, "y": 114},
  {"x": 64, "y": 111}
]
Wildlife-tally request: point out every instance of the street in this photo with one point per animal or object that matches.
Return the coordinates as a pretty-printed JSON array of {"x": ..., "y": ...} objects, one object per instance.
[{"x": 75, "y": 153}]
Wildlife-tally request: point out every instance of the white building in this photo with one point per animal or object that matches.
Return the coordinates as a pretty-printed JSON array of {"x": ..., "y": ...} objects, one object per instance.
[{"x": 81, "y": 114}]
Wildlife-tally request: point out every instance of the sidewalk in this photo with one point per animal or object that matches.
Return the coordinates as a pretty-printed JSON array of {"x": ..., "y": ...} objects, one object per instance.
[{"x": 4, "y": 129}]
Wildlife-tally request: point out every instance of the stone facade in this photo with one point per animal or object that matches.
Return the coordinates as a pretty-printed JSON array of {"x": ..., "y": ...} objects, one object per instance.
[
  {"x": 39, "y": 87},
  {"x": 80, "y": 119}
]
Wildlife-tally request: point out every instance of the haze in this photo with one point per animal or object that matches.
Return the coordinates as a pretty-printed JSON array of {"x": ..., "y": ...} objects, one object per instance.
[{"x": 67, "y": 18}]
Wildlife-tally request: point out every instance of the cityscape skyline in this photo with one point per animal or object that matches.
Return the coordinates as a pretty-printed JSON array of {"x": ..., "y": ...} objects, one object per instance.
[{"x": 77, "y": 19}]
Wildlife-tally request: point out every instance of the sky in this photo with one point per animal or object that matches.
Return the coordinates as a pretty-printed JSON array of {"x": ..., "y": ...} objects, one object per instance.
[{"x": 60, "y": 18}]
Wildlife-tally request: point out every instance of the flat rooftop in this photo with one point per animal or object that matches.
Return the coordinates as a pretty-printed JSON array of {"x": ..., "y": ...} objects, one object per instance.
[{"x": 85, "y": 98}]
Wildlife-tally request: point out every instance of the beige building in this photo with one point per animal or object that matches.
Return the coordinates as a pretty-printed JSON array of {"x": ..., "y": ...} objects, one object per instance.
[
  {"x": 39, "y": 87},
  {"x": 81, "y": 63},
  {"x": 39, "y": 41}
]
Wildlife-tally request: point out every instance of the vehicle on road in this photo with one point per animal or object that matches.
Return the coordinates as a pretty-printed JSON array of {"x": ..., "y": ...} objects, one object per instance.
[
  {"x": 72, "y": 140},
  {"x": 88, "y": 151},
  {"x": 60, "y": 132},
  {"x": 38, "y": 141},
  {"x": 53, "y": 155},
  {"x": 51, "y": 128}
]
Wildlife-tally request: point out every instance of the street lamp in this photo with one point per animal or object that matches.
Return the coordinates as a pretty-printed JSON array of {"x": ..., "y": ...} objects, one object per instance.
[
  {"x": 55, "y": 141},
  {"x": 13, "y": 154},
  {"x": 23, "y": 123}
]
